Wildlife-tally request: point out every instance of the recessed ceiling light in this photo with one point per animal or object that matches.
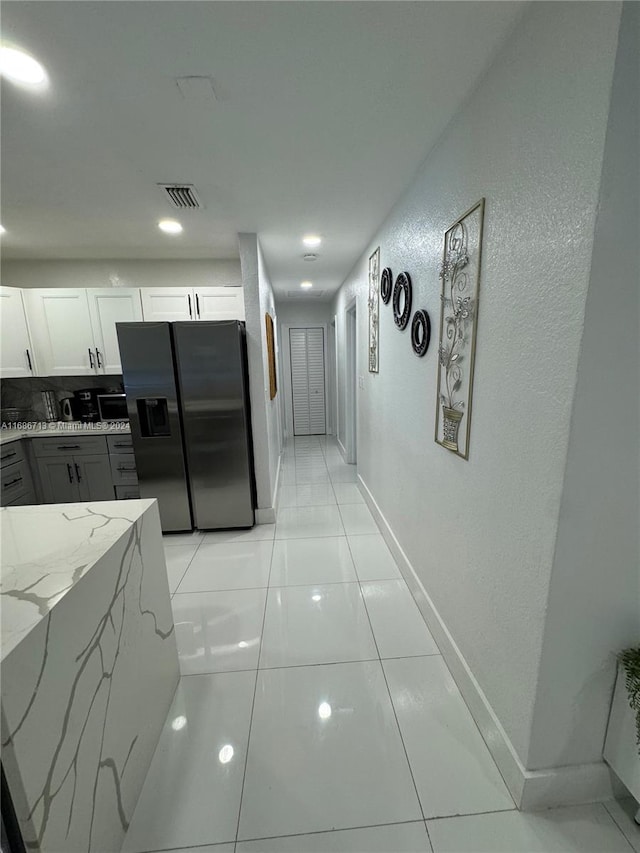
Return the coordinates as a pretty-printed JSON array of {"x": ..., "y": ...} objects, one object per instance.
[
  {"x": 312, "y": 240},
  {"x": 310, "y": 256},
  {"x": 3, "y": 230},
  {"x": 170, "y": 226},
  {"x": 16, "y": 65},
  {"x": 305, "y": 285}
]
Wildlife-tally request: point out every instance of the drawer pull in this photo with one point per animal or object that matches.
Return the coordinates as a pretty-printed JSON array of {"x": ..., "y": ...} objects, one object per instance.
[
  {"x": 8, "y": 455},
  {"x": 126, "y": 467},
  {"x": 68, "y": 447},
  {"x": 117, "y": 444},
  {"x": 12, "y": 482}
]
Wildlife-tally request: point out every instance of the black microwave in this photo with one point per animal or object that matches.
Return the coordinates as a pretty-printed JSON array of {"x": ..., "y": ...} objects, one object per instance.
[{"x": 113, "y": 407}]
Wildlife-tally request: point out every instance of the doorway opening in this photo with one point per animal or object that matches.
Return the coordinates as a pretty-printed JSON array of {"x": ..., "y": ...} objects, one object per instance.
[{"x": 351, "y": 380}]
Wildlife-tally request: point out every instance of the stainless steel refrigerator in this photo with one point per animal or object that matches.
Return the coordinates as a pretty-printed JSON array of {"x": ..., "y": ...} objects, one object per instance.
[{"x": 187, "y": 393}]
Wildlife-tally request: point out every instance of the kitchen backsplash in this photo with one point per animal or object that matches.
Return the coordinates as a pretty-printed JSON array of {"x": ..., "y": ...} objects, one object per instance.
[{"x": 26, "y": 393}]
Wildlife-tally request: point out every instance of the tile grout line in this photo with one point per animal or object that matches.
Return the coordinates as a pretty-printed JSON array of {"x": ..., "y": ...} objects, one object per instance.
[
  {"x": 188, "y": 565},
  {"x": 253, "y": 703},
  {"x": 323, "y": 832}
]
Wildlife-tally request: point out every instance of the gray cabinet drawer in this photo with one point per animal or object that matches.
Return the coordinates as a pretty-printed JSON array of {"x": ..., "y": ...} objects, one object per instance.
[
  {"x": 15, "y": 480},
  {"x": 74, "y": 445},
  {"x": 29, "y": 499},
  {"x": 123, "y": 469},
  {"x": 120, "y": 443},
  {"x": 124, "y": 493},
  {"x": 10, "y": 453}
]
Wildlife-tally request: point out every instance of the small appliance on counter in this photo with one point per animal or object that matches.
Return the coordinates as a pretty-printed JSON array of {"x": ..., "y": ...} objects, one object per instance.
[
  {"x": 87, "y": 403},
  {"x": 112, "y": 407},
  {"x": 69, "y": 409},
  {"x": 50, "y": 405}
]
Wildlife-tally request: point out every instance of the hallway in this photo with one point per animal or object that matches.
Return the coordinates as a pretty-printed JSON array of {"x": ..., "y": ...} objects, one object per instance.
[{"x": 315, "y": 710}]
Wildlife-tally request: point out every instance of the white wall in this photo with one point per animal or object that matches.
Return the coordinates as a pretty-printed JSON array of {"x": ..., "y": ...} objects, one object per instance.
[
  {"x": 121, "y": 273},
  {"x": 594, "y": 599},
  {"x": 481, "y": 533},
  {"x": 265, "y": 415}
]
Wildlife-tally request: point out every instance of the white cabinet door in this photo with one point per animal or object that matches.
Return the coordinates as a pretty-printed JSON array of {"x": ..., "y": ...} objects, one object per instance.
[
  {"x": 165, "y": 304},
  {"x": 58, "y": 480},
  {"x": 219, "y": 303},
  {"x": 16, "y": 352},
  {"x": 60, "y": 326},
  {"x": 93, "y": 474},
  {"x": 108, "y": 307}
]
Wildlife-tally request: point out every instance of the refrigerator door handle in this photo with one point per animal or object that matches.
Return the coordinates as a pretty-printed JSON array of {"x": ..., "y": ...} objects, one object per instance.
[{"x": 190, "y": 313}]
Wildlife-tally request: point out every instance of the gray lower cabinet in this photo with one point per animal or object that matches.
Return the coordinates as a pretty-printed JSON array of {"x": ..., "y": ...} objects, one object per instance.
[
  {"x": 16, "y": 486},
  {"x": 68, "y": 478}
]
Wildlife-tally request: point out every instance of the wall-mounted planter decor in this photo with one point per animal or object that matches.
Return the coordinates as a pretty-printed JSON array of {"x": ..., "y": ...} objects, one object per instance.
[
  {"x": 460, "y": 274},
  {"x": 271, "y": 353},
  {"x": 386, "y": 285},
  {"x": 420, "y": 332},
  {"x": 402, "y": 300},
  {"x": 374, "y": 309}
]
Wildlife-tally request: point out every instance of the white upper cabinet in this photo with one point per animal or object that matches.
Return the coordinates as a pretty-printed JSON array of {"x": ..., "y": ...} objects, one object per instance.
[
  {"x": 166, "y": 304},
  {"x": 60, "y": 324},
  {"x": 219, "y": 303},
  {"x": 16, "y": 353},
  {"x": 108, "y": 307}
]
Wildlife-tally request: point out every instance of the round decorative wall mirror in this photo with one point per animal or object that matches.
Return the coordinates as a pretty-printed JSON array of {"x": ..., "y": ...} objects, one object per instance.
[
  {"x": 386, "y": 285},
  {"x": 402, "y": 300},
  {"x": 420, "y": 332}
]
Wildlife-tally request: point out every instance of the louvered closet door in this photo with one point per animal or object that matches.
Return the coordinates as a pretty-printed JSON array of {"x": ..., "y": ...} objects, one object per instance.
[{"x": 307, "y": 381}]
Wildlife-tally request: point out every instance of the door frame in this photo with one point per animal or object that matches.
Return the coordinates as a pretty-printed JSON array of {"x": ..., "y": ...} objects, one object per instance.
[
  {"x": 351, "y": 381},
  {"x": 286, "y": 365}
]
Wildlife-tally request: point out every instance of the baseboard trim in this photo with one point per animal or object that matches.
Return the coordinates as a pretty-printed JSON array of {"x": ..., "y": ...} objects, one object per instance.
[
  {"x": 267, "y": 514},
  {"x": 530, "y": 789},
  {"x": 342, "y": 448}
]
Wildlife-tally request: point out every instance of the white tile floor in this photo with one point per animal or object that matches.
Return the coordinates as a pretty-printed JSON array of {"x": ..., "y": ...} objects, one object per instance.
[{"x": 315, "y": 714}]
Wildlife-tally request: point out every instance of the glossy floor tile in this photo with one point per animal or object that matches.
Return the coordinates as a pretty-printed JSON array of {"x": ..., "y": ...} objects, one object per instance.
[
  {"x": 325, "y": 752},
  {"x": 580, "y": 829},
  {"x": 623, "y": 812},
  {"x": 192, "y": 791},
  {"x": 178, "y": 558},
  {"x": 398, "y": 626},
  {"x": 357, "y": 519},
  {"x": 257, "y": 533},
  {"x": 310, "y": 494},
  {"x": 342, "y": 473},
  {"x": 452, "y": 767},
  {"x": 311, "y": 561},
  {"x": 232, "y": 565},
  {"x": 316, "y": 624},
  {"x": 218, "y": 631},
  {"x": 193, "y": 538},
  {"x": 308, "y": 522},
  {"x": 372, "y": 558},
  {"x": 348, "y": 493},
  {"x": 394, "y": 838}
]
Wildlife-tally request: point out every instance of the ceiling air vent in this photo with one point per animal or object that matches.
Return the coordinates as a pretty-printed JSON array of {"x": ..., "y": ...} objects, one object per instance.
[{"x": 181, "y": 196}]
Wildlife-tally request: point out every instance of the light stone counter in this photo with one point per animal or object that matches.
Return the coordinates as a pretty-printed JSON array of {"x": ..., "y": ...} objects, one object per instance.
[
  {"x": 89, "y": 667},
  {"x": 61, "y": 428}
]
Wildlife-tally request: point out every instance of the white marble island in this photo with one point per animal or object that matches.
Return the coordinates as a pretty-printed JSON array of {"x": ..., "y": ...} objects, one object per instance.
[{"x": 89, "y": 667}]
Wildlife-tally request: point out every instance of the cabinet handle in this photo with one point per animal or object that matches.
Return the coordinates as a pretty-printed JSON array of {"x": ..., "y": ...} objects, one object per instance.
[
  {"x": 68, "y": 447},
  {"x": 70, "y": 472},
  {"x": 190, "y": 312},
  {"x": 29, "y": 361},
  {"x": 117, "y": 444},
  {"x": 126, "y": 467},
  {"x": 91, "y": 364},
  {"x": 78, "y": 472},
  {"x": 12, "y": 482},
  {"x": 197, "y": 305},
  {"x": 8, "y": 455},
  {"x": 98, "y": 357}
]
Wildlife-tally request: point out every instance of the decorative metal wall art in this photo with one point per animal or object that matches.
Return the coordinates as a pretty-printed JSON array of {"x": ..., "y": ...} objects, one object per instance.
[
  {"x": 402, "y": 300},
  {"x": 460, "y": 275},
  {"x": 271, "y": 354},
  {"x": 386, "y": 285},
  {"x": 420, "y": 332},
  {"x": 374, "y": 308}
]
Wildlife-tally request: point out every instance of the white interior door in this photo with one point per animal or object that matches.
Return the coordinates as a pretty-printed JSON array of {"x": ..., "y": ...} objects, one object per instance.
[
  {"x": 16, "y": 355},
  {"x": 166, "y": 304},
  {"x": 306, "y": 351},
  {"x": 108, "y": 307},
  {"x": 219, "y": 303}
]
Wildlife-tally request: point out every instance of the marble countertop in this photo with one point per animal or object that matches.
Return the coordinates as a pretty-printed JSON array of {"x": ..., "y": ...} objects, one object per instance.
[
  {"x": 56, "y": 429},
  {"x": 46, "y": 550}
]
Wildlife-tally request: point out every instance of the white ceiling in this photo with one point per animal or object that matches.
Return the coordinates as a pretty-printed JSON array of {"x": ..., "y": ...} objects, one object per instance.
[{"x": 323, "y": 112}]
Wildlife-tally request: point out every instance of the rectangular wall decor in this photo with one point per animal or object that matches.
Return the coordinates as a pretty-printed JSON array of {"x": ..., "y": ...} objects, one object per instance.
[
  {"x": 460, "y": 275},
  {"x": 374, "y": 308},
  {"x": 271, "y": 353}
]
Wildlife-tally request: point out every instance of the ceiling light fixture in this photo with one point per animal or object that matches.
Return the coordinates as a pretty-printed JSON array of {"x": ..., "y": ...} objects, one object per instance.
[
  {"x": 305, "y": 285},
  {"x": 21, "y": 68},
  {"x": 312, "y": 240},
  {"x": 170, "y": 226},
  {"x": 3, "y": 230},
  {"x": 310, "y": 257}
]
